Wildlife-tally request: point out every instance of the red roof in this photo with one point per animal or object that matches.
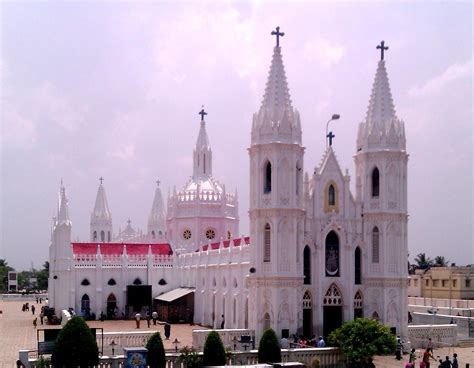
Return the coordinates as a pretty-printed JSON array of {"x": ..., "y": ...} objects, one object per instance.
[
  {"x": 237, "y": 242},
  {"x": 117, "y": 248}
]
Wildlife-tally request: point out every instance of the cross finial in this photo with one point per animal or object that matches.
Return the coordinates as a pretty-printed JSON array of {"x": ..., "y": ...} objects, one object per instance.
[
  {"x": 129, "y": 222},
  {"x": 202, "y": 113},
  {"x": 382, "y": 47},
  {"x": 101, "y": 179},
  {"x": 277, "y": 33},
  {"x": 158, "y": 183},
  {"x": 330, "y": 136}
]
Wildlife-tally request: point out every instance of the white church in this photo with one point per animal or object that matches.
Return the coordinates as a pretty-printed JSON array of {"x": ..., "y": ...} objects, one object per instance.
[{"x": 317, "y": 254}]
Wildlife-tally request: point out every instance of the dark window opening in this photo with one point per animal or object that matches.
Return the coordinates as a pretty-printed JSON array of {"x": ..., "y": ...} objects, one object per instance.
[
  {"x": 307, "y": 265},
  {"x": 375, "y": 183},
  {"x": 331, "y": 195},
  {"x": 111, "y": 282},
  {"x": 85, "y": 282},
  {"x": 268, "y": 178},
  {"x": 357, "y": 267}
]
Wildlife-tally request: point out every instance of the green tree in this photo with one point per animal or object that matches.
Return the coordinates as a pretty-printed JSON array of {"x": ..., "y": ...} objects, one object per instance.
[
  {"x": 440, "y": 261},
  {"x": 4, "y": 268},
  {"x": 214, "y": 352},
  {"x": 269, "y": 350},
  {"x": 423, "y": 262},
  {"x": 156, "y": 357},
  {"x": 75, "y": 346},
  {"x": 361, "y": 339}
]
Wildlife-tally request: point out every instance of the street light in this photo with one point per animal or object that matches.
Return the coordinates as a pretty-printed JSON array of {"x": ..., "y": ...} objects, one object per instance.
[{"x": 333, "y": 117}]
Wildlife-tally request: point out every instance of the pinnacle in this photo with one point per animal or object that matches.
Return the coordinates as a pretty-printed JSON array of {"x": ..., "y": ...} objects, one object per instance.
[
  {"x": 203, "y": 140},
  {"x": 101, "y": 208}
]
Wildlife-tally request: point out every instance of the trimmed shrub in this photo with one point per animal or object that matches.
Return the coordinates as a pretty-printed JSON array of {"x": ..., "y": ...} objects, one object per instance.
[
  {"x": 156, "y": 357},
  {"x": 269, "y": 350},
  {"x": 214, "y": 352},
  {"x": 75, "y": 346}
]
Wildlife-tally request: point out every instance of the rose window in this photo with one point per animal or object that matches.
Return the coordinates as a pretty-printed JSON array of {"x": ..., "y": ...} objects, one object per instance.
[
  {"x": 210, "y": 233},
  {"x": 187, "y": 234}
]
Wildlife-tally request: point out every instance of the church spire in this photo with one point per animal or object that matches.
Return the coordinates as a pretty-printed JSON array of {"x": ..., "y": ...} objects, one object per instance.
[
  {"x": 101, "y": 208},
  {"x": 276, "y": 119},
  {"x": 63, "y": 210},
  {"x": 156, "y": 220},
  {"x": 202, "y": 155},
  {"x": 381, "y": 128}
]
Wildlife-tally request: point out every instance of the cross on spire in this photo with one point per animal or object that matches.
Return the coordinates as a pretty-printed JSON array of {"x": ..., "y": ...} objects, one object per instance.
[
  {"x": 202, "y": 113},
  {"x": 382, "y": 47},
  {"x": 101, "y": 179},
  {"x": 330, "y": 136},
  {"x": 277, "y": 33},
  {"x": 158, "y": 183},
  {"x": 129, "y": 222}
]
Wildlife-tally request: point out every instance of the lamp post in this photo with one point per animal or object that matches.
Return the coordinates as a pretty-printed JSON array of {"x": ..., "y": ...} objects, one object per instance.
[{"x": 333, "y": 117}]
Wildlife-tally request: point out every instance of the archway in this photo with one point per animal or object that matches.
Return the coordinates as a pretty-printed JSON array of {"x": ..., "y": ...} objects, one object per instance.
[
  {"x": 111, "y": 305},
  {"x": 332, "y": 310},
  {"x": 307, "y": 315},
  {"x": 85, "y": 305},
  {"x": 266, "y": 321},
  {"x": 358, "y": 305}
]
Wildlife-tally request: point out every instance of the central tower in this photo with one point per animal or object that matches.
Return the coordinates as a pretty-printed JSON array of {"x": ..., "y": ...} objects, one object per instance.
[{"x": 276, "y": 210}]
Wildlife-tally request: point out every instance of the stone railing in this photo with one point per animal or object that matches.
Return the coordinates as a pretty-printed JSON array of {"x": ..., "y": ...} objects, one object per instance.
[
  {"x": 461, "y": 323},
  {"x": 438, "y": 302},
  {"x": 229, "y": 337},
  {"x": 441, "y": 335},
  {"x": 23, "y": 297},
  {"x": 328, "y": 357}
]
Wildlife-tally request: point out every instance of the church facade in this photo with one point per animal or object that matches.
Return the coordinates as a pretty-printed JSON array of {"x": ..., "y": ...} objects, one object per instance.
[{"x": 317, "y": 254}]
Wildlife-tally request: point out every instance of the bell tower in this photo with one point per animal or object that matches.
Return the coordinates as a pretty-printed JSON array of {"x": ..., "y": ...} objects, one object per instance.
[
  {"x": 381, "y": 191},
  {"x": 276, "y": 207}
]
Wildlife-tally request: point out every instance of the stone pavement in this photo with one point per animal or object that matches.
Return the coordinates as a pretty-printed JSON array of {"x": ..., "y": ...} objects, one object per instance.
[{"x": 17, "y": 332}]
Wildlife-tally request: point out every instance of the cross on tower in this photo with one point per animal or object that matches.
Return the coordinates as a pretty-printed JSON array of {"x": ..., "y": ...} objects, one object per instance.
[
  {"x": 330, "y": 136},
  {"x": 129, "y": 222},
  {"x": 382, "y": 47},
  {"x": 101, "y": 179},
  {"x": 202, "y": 113},
  {"x": 158, "y": 183},
  {"x": 277, "y": 33}
]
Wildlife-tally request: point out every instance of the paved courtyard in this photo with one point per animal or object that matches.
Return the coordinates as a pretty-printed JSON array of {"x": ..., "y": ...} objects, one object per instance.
[{"x": 17, "y": 332}]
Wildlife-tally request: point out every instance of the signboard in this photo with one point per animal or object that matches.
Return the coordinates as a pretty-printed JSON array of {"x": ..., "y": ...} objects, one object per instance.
[{"x": 135, "y": 357}]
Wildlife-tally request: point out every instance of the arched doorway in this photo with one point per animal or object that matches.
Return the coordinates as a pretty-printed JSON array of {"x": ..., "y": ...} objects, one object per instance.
[
  {"x": 85, "y": 305},
  {"x": 266, "y": 321},
  {"x": 111, "y": 305},
  {"x": 332, "y": 255},
  {"x": 358, "y": 304},
  {"x": 332, "y": 310},
  {"x": 307, "y": 315}
]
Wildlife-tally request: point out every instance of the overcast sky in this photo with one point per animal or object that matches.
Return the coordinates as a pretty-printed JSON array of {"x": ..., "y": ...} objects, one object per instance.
[{"x": 108, "y": 89}]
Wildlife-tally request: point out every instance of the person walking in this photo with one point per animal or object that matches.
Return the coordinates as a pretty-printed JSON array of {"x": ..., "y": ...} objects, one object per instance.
[
  {"x": 137, "y": 319},
  {"x": 154, "y": 315},
  {"x": 33, "y": 309},
  {"x": 223, "y": 322},
  {"x": 167, "y": 329},
  {"x": 147, "y": 316},
  {"x": 321, "y": 342},
  {"x": 455, "y": 363},
  {"x": 412, "y": 358},
  {"x": 426, "y": 358},
  {"x": 35, "y": 322}
]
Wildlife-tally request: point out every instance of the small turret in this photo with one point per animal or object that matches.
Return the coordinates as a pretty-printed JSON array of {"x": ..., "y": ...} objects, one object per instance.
[
  {"x": 156, "y": 220},
  {"x": 202, "y": 153}
]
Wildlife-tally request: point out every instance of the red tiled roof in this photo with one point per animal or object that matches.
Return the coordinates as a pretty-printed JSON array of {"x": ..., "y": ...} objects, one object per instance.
[
  {"x": 117, "y": 248},
  {"x": 217, "y": 245}
]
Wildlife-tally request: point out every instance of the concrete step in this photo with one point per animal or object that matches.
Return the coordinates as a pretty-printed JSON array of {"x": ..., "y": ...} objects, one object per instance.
[{"x": 466, "y": 343}]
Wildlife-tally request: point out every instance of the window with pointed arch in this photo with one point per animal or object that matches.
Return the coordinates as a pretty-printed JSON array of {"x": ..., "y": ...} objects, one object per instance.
[
  {"x": 266, "y": 321},
  {"x": 375, "y": 245},
  {"x": 267, "y": 243},
  {"x": 332, "y": 255},
  {"x": 375, "y": 183},
  {"x": 85, "y": 282},
  {"x": 111, "y": 282},
  {"x": 357, "y": 266},
  {"x": 85, "y": 304},
  {"x": 102, "y": 236},
  {"x": 267, "y": 186},
  {"x": 358, "y": 305},
  {"x": 94, "y": 236},
  {"x": 153, "y": 234},
  {"x": 307, "y": 300},
  {"x": 331, "y": 195},
  {"x": 108, "y": 236},
  {"x": 307, "y": 265}
]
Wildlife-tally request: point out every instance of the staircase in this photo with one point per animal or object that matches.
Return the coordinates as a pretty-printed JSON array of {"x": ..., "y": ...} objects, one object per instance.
[{"x": 466, "y": 343}]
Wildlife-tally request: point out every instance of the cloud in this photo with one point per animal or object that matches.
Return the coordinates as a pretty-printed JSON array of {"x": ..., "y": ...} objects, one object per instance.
[
  {"x": 17, "y": 130},
  {"x": 125, "y": 153},
  {"x": 322, "y": 52},
  {"x": 439, "y": 82}
]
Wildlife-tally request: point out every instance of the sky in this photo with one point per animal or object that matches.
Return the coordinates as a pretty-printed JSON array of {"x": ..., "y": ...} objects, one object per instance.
[{"x": 113, "y": 89}]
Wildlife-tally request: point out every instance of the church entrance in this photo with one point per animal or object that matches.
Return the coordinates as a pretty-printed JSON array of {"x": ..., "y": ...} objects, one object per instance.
[
  {"x": 332, "y": 310},
  {"x": 111, "y": 306},
  {"x": 307, "y": 316}
]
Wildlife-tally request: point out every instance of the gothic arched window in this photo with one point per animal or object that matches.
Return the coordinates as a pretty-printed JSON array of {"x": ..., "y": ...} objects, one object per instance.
[
  {"x": 267, "y": 188},
  {"x": 375, "y": 183},
  {"x": 307, "y": 265},
  {"x": 331, "y": 196},
  {"x": 375, "y": 245},
  {"x": 111, "y": 282},
  {"x": 85, "y": 282},
  {"x": 102, "y": 236},
  {"x": 357, "y": 267},
  {"x": 267, "y": 243},
  {"x": 162, "y": 282},
  {"x": 266, "y": 321},
  {"x": 85, "y": 304},
  {"x": 94, "y": 236},
  {"x": 108, "y": 236},
  {"x": 332, "y": 255},
  {"x": 153, "y": 234}
]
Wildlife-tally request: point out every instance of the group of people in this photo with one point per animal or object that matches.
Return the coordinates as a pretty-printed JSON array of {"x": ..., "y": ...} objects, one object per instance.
[
  {"x": 428, "y": 356},
  {"x": 302, "y": 342},
  {"x": 154, "y": 318}
]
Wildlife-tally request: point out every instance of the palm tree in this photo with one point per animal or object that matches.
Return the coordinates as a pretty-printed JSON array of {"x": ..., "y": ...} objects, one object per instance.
[
  {"x": 440, "y": 261},
  {"x": 423, "y": 262}
]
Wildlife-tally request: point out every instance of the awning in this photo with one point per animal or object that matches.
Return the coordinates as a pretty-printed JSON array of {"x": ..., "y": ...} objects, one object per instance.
[{"x": 175, "y": 294}]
